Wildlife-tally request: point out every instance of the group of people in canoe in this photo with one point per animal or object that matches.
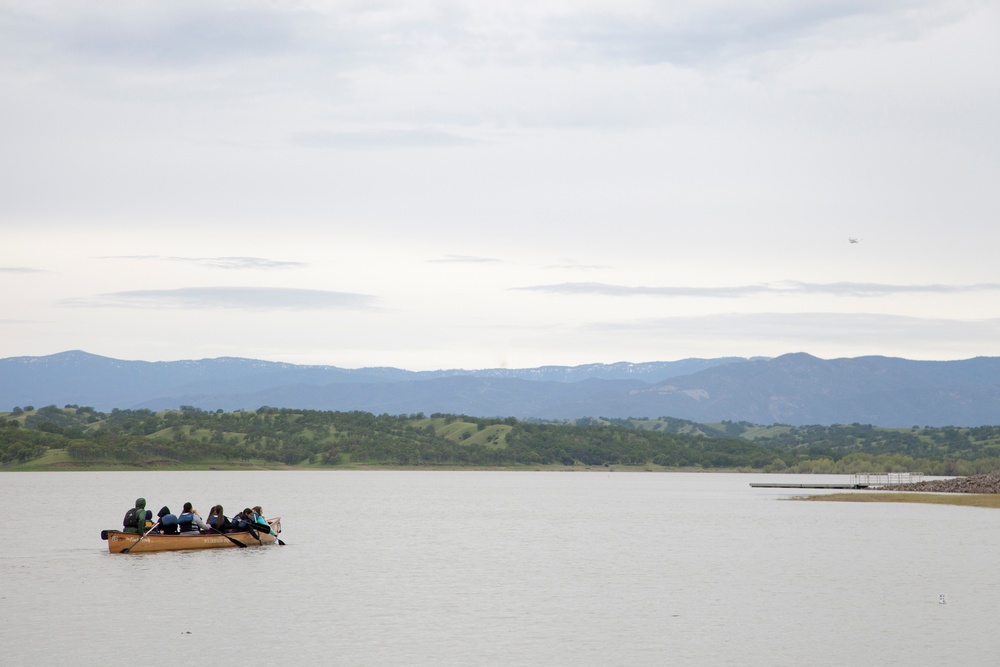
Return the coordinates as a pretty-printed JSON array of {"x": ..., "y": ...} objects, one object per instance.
[{"x": 139, "y": 520}]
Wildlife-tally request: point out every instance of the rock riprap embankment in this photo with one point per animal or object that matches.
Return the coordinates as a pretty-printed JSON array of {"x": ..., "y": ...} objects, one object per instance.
[{"x": 973, "y": 484}]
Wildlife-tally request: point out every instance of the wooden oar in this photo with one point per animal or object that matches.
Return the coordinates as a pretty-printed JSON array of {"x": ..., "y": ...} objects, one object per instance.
[
  {"x": 271, "y": 530},
  {"x": 258, "y": 526},
  {"x": 236, "y": 542},
  {"x": 127, "y": 549},
  {"x": 253, "y": 532}
]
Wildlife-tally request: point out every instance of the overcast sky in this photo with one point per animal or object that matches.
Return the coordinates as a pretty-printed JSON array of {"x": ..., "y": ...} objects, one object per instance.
[{"x": 429, "y": 184}]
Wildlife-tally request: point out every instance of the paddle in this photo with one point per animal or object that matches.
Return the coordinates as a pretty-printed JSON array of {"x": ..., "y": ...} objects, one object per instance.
[
  {"x": 270, "y": 530},
  {"x": 236, "y": 542},
  {"x": 253, "y": 527},
  {"x": 254, "y": 533},
  {"x": 127, "y": 549},
  {"x": 260, "y": 524}
]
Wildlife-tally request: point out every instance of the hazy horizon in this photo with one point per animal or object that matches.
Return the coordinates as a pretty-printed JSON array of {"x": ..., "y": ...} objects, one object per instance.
[{"x": 466, "y": 368}]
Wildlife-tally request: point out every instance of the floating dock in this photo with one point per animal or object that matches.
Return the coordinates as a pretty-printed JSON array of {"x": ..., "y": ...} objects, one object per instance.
[
  {"x": 787, "y": 485},
  {"x": 867, "y": 480}
]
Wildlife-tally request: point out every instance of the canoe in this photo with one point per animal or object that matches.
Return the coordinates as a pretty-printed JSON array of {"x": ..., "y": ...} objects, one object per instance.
[{"x": 118, "y": 540}]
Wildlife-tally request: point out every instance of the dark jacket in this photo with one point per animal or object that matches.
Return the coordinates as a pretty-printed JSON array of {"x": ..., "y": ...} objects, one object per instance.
[
  {"x": 226, "y": 526},
  {"x": 168, "y": 521},
  {"x": 135, "y": 518}
]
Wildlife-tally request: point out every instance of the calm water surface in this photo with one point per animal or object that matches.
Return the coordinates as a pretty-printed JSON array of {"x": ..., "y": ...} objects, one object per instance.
[{"x": 497, "y": 568}]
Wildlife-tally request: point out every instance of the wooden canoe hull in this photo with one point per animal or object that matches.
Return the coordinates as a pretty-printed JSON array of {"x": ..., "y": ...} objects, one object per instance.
[{"x": 118, "y": 541}]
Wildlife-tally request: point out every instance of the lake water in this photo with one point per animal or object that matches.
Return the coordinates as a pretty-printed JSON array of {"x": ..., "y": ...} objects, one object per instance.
[{"x": 497, "y": 568}]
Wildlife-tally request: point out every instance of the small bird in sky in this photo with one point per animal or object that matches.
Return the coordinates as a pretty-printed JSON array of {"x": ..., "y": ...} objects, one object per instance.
[{"x": 853, "y": 240}]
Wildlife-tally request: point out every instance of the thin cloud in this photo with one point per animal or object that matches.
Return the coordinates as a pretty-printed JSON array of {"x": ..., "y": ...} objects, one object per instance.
[
  {"x": 777, "y": 288},
  {"x": 154, "y": 52},
  {"x": 20, "y": 269},
  {"x": 179, "y": 37},
  {"x": 795, "y": 330},
  {"x": 379, "y": 139},
  {"x": 219, "y": 262},
  {"x": 711, "y": 34},
  {"x": 183, "y": 34},
  {"x": 239, "y": 298},
  {"x": 463, "y": 259}
]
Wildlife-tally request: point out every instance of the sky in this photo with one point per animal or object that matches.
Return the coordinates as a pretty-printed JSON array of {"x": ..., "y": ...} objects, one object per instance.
[{"x": 432, "y": 184}]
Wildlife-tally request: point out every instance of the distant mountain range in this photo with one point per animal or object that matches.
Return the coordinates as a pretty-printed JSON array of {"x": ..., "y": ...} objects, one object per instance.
[{"x": 793, "y": 389}]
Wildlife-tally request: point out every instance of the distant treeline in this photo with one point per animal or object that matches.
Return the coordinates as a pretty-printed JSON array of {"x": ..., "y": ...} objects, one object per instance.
[{"x": 190, "y": 436}]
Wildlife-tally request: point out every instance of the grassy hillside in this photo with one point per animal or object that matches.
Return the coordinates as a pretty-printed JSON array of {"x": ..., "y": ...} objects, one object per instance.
[
  {"x": 71, "y": 436},
  {"x": 75, "y": 436},
  {"x": 849, "y": 448}
]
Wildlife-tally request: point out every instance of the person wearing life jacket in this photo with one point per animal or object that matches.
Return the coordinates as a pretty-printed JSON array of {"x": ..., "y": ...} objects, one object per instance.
[
  {"x": 135, "y": 519},
  {"x": 168, "y": 521},
  {"x": 239, "y": 522},
  {"x": 218, "y": 520},
  {"x": 189, "y": 521},
  {"x": 244, "y": 523},
  {"x": 260, "y": 522}
]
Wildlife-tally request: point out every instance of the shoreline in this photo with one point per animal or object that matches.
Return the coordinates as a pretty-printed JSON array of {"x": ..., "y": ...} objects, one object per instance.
[
  {"x": 987, "y": 500},
  {"x": 372, "y": 467}
]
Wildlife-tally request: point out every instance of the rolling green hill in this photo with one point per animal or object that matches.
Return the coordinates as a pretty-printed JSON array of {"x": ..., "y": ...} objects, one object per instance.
[{"x": 82, "y": 437}]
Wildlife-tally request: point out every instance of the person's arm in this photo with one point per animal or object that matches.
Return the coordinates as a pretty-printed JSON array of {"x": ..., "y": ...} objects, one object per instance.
[
  {"x": 262, "y": 523},
  {"x": 196, "y": 520}
]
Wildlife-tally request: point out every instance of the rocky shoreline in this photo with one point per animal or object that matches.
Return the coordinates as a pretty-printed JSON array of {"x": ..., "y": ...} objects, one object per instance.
[{"x": 989, "y": 483}]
